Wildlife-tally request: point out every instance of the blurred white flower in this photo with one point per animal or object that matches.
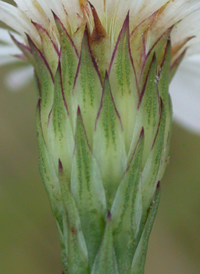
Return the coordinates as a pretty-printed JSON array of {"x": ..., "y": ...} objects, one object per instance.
[
  {"x": 185, "y": 93},
  {"x": 8, "y": 50},
  {"x": 17, "y": 78}
]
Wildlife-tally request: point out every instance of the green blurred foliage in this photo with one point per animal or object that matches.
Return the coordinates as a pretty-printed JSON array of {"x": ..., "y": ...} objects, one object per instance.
[{"x": 28, "y": 237}]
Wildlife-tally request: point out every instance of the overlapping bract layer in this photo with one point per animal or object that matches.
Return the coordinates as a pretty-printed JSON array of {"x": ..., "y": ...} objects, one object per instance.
[{"x": 103, "y": 132}]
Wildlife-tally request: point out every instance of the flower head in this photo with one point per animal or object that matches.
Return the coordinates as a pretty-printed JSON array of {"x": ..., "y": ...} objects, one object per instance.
[
  {"x": 34, "y": 17},
  {"x": 182, "y": 14},
  {"x": 104, "y": 117}
]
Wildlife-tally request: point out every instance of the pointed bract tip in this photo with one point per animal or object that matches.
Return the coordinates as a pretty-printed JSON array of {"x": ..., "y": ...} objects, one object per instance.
[
  {"x": 54, "y": 15},
  {"x": 60, "y": 166},
  {"x": 127, "y": 17},
  {"x": 142, "y": 132},
  {"x": 39, "y": 27},
  {"x": 158, "y": 185},
  {"x": 106, "y": 78},
  {"x": 168, "y": 43},
  {"x": 57, "y": 19},
  {"x": 16, "y": 41},
  {"x": 35, "y": 24},
  {"x": 99, "y": 32},
  {"x": 171, "y": 28},
  {"x": 161, "y": 103},
  {"x": 92, "y": 7},
  {"x": 85, "y": 36},
  {"x": 78, "y": 110},
  {"x": 12, "y": 37},
  {"x": 39, "y": 103},
  {"x": 154, "y": 58},
  {"x": 30, "y": 41},
  {"x": 32, "y": 45},
  {"x": 109, "y": 215},
  {"x": 59, "y": 67},
  {"x": 126, "y": 21}
]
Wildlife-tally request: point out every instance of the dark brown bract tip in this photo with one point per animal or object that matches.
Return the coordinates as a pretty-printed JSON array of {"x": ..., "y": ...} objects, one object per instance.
[{"x": 99, "y": 33}]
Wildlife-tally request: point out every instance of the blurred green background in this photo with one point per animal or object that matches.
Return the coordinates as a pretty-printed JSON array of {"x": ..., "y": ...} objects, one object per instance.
[{"x": 28, "y": 236}]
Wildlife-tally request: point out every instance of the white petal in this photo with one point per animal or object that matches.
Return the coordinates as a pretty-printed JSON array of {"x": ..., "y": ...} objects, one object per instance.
[
  {"x": 18, "y": 21},
  {"x": 188, "y": 27},
  {"x": 8, "y": 49},
  {"x": 5, "y": 37},
  {"x": 18, "y": 78},
  {"x": 185, "y": 93},
  {"x": 56, "y": 7},
  {"x": 33, "y": 10},
  {"x": 116, "y": 11},
  {"x": 7, "y": 59},
  {"x": 73, "y": 9}
]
